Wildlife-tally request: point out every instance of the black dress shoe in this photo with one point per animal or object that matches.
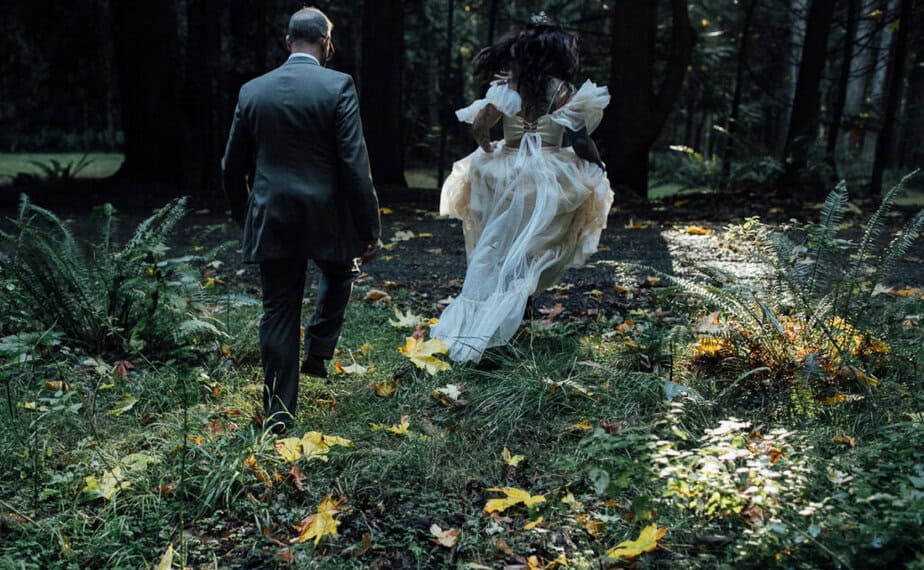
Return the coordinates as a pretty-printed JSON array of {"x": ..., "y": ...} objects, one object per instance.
[{"x": 314, "y": 366}]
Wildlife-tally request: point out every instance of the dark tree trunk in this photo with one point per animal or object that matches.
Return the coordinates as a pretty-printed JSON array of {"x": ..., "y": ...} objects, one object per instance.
[
  {"x": 492, "y": 20},
  {"x": 840, "y": 97},
  {"x": 152, "y": 116},
  {"x": 894, "y": 79},
  {"x": 447, "y": 119},
  {"x": 205, "y": 103},
  {"x": 380, "y": 99},
  {"x": 803, "y": 122},
  {"x": 637, "y": 113},
  {"x": 732, "y": 127},
  {"x": 912, "y": 153}
]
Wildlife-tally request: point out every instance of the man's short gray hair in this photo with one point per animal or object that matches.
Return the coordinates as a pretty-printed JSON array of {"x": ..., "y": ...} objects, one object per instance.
[{"x": 309, "y": 25}]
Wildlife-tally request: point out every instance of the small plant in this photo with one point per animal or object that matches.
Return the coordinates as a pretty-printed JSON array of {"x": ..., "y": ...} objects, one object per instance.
[
  {"x": 53, "y": 172},
  {"x": 105, "y": 296}
]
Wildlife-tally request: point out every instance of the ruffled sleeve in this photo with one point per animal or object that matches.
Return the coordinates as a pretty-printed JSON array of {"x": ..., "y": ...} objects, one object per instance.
[
  {"x": 585, "y": 109},
  {"x": 504, "y": 98}
]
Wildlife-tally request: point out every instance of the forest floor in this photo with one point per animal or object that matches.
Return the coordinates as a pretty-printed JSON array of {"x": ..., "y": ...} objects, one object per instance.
[{"x": 610, "y": 418}]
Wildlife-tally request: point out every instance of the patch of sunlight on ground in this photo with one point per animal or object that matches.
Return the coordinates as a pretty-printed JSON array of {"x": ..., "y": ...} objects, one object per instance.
[
  {"x": 421, "y": 178},
  {"x": 102, "y": 164},
  {"x": 687, "y": 251}
]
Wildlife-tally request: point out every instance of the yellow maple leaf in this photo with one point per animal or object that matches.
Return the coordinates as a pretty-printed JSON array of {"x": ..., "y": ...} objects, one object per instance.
[
  {"x": 646, "y": 542},
  {"x": 511, "y": 460},
  {"x": 397, "y": 429},
  {"x": 513, "y": 497},
  {"x": 289, "y": 448},
  {"x": 386, "y": 388},
  {"x": 314, "y": 446},
  {"x": 532, "y": 524},
  {"x": 423, "y": 354},
  {"x": 321, "y": 523}
]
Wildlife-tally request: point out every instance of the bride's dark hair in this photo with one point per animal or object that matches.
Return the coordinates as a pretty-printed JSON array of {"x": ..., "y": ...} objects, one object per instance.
[{"x": 539, "y": 51}]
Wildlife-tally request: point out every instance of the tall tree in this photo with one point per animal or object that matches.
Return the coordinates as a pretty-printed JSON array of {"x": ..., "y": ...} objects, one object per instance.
[
  {"x": 894, "y": 77},
  {"x": 147, "y": 65},
  {"x": 732, "y": 127},
  {"x": 207, "y": 106},
  {"x": 380, "y": 89},
  {"x": 638, "y": 112},
  {"x": 843, "y": 80},
  {"x": 803, "y": 122},
  {"x": 446, "y": 119}
]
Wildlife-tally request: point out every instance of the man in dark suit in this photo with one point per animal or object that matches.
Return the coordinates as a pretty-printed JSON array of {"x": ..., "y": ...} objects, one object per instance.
[{"x": 297, "y": 136}]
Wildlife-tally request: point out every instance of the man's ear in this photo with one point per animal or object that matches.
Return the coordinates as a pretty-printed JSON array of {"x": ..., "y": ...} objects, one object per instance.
[{"x": 288, "y": 43}]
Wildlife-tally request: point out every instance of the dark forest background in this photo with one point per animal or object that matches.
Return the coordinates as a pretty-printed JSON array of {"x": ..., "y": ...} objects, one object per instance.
[{"x": 712, "y": 94}]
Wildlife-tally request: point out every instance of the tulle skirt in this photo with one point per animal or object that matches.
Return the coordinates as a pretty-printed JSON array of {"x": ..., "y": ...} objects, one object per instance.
[{"x": 528, "y": 215}]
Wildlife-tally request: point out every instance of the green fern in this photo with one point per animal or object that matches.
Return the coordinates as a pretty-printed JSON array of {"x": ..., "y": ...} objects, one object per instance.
[{"x": 101, "y": 295}]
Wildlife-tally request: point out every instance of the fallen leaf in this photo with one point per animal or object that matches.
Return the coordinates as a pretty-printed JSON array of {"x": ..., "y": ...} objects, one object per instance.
[
  {"x": 397, "y": 429},
  {"x": 845, "y": 439},
  {"x": 386, "y": 388},
  {"x": 110, "y": 483},
  {"x": 166, "y": 560},
  {"x": 552, "y": 312},
  {"x": 511, "y": 460},
  {"x": 422, "y": 354},
  {"x": 402, "y": 235},
  {"x": 450, "y": 395},
  {"x": 646, "y": 542},
  {"x": 377, "y": 296},
  {"x": 447, "y": 538},
  {"x": 513, "y": 497},
  {"x": 697, "y": 231},
  {"x": 121, "y": 368},
  {"x": 386, "y": 211},
  {"x": 321, "y": 523},
  {"x": 296, "y": 474},
  {"x": 406, "y": 319},
  {"x": 594, "y": 527},
  {"x": 532, "y": 524},
  {"x": 57, "y": 385},
  {"x": 582, "y": 425}
]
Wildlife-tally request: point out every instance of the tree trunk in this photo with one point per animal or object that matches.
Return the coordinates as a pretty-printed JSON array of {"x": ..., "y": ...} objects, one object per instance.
[
  {"x": 637, "y": 114},
  {"x": 803, "y": 122},
  {"x": 205, "y": 103},
  {"x": 797, "y": 12},
  {"x": 147, "y": 67},
  {"x": 840, "y": 97},
  {"x": 894, "y": 77},
  {"x": 447, "y": 118},
  {"x": 732, "y": 126},
  {"x": 492, "y": 21},
  {"x": 912, "y": 154},
  {"x": 381, "y": 104}
]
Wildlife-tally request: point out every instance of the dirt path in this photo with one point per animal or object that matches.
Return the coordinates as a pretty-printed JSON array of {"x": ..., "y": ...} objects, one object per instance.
[{"x": 426, "y": 254}]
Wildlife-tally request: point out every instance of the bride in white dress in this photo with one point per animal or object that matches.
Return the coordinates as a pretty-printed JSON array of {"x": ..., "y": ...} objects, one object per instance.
[{"x": 530, "y": 208}]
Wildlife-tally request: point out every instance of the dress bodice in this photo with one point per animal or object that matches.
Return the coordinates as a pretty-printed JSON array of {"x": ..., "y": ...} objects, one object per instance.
[{"x": 516, "y": 126}]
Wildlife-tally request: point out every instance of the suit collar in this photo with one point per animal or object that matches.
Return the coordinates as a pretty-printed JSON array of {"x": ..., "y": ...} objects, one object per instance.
[{"x": 303, "y": 58}]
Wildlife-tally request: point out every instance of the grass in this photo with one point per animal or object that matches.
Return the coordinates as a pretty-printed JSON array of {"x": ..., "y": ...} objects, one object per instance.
[
  {"x": 102, "y": 165},
  {"x": 218, "y": 491}
]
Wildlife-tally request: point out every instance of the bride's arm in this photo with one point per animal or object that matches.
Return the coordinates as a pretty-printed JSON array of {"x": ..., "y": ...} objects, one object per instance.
[
  {"x": 585, "y": 147},
  {"x": 481, "y": 127}
]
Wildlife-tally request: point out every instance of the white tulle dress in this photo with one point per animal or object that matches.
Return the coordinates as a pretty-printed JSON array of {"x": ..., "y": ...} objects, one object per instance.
[{"x": 529, "y": 210}]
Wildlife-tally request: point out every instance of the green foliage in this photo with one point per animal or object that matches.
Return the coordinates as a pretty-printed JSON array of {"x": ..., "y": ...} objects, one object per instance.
[
  {"x": 103, "y": 295},
  {"x": 53, "y": 172}
]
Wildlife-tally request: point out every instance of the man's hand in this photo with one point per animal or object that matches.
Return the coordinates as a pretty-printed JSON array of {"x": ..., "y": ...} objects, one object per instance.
[{"x": 372, "y": 250}]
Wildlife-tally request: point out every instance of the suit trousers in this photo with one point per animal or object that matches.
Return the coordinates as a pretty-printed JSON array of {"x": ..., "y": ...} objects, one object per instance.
[{"x": 283, "y": 283}]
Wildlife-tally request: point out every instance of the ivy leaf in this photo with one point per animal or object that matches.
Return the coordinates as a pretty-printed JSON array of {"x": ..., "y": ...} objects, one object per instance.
[
  {"x": 423, "y": 354},
  {"x": 320, "y": 523},
  {"x": 646, "y": 542},
  {"x": 513, "y": 497}
]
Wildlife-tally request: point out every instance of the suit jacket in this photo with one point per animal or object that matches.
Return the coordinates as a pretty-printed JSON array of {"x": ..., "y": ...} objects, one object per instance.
[{"x": 298, "y": 134}]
